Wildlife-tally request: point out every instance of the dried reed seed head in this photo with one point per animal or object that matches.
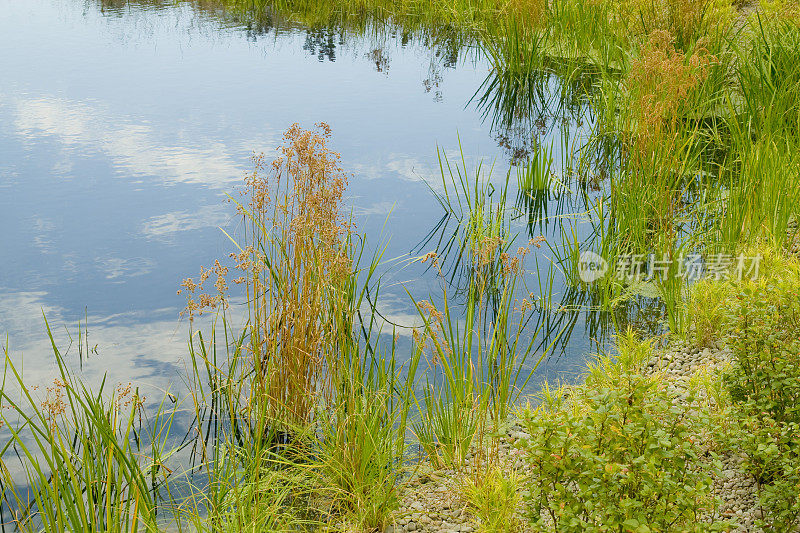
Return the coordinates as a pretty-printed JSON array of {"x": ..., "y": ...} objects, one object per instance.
[
  {"x": 433, "y": 334},
  {"x": 127, "y": 397},
  {"x": 434, "y": 259},
  {"x": 429, "y": 309},
  {"x": 197, "y": 302},
  {"x": 525, "y": 306},
  {"x": 511, "y": 265},
  {"x": 532, "y": 13},
  {"x": 427, "y": 257},
  {"x": 418, "y": 338},
  {"x": 53, "y": 404},
  {"x": 484, "y": 250},
  {"x": 537, "y": 241},
  {"x": 660, "y": 82},
  {"x": 306, "y": 216}
]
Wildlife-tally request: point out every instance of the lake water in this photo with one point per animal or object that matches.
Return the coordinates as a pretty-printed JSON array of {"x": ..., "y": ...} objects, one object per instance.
[{"x": 124, "y": 125}]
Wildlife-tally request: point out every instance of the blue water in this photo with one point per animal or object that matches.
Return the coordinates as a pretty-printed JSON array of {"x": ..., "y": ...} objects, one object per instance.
[{"x": 123, "y": 129}]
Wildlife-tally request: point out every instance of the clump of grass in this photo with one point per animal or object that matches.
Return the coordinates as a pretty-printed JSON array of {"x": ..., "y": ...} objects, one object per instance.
[
  {"x": 706, "y": 309},
  {"x": 295, "y": 262},
  {"x": 476, "y": 350},
  {"x": 783, "y": 10},
  {"x": 245, "y": 470},
  {"x": 632, "y": 353},
  {"x": 767, "y": 74},
  {"x": 536, "y": 176},
  {"x": 763, "y": 194},
  {"x": 78, "y": 459},
  {"x": 299, "y": 297},
  {"x": 478, "y": 208},
  {"x": 305, "y": 394},
  {"x": 516, "y": 89},
  {"x": 362, "y": 447},
  {"x": 590, "y": 29},
  {"x": 762, "y": 171},
  {"x": 651, "y": 206},
  {"x": 536, "y": 185},
  {"x": 531, "y": 13},
  {"x": 479, "y": 360},
  {"x": 494, "y": 496},
  {"x": 604, "y": 31},
  {"x": 687, "y": 20},
  {"x": 661, "y": 83}
]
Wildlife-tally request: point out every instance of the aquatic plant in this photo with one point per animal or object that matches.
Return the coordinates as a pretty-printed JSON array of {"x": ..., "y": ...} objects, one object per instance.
[
  {"x": 475, "y": 211},
  {"x": 661, "y": 83},
  {"x": 479, "y": 363},
  {"x": 306, "y": 391},
  {"x": 295, "y": 261},
  {"x": 303, "y": 417},
  {"x": 77, "y": 459},
  {"x": 494, "y": 497}
]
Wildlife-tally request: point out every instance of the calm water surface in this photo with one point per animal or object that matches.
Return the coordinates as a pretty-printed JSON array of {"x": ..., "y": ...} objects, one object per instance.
[{"x": 123, "y": 128}]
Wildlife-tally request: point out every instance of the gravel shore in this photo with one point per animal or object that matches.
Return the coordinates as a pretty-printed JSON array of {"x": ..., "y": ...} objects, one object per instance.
[{"x": 430, "y": 500}]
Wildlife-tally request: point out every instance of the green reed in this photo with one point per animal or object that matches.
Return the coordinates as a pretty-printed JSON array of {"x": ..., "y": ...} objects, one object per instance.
[
  {"x": 307, "y": 391},
  {"x": 78, "y": 459},
  {"x": 478, "y": 365},
  {"x": 477, "y": 206},
  {"x": 516, "y": 87},
  {"x": 303, "y": 417}
]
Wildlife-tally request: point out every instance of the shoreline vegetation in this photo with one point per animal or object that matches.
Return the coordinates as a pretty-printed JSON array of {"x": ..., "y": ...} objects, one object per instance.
[{"x": 310, "y": 417}]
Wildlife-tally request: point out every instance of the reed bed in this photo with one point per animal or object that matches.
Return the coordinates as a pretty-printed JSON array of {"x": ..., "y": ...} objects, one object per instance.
[
  {"x": 309, "y": 416},
  {"x": 304, "y": 417}
]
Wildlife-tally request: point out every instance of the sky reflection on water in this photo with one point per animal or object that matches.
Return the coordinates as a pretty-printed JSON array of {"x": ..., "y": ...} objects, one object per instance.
[{"x": 122, "y": 130}]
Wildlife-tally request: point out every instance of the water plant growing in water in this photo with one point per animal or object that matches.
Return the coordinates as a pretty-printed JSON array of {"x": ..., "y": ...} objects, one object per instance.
[
  {"x": 84, "y": 462},
  {"x": 304, "y": 413}
]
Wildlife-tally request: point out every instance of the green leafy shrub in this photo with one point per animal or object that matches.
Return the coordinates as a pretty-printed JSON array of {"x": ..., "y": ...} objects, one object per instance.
[
  {"x": 618, "y": 458},
  {"x": 764, "y": 382}
]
